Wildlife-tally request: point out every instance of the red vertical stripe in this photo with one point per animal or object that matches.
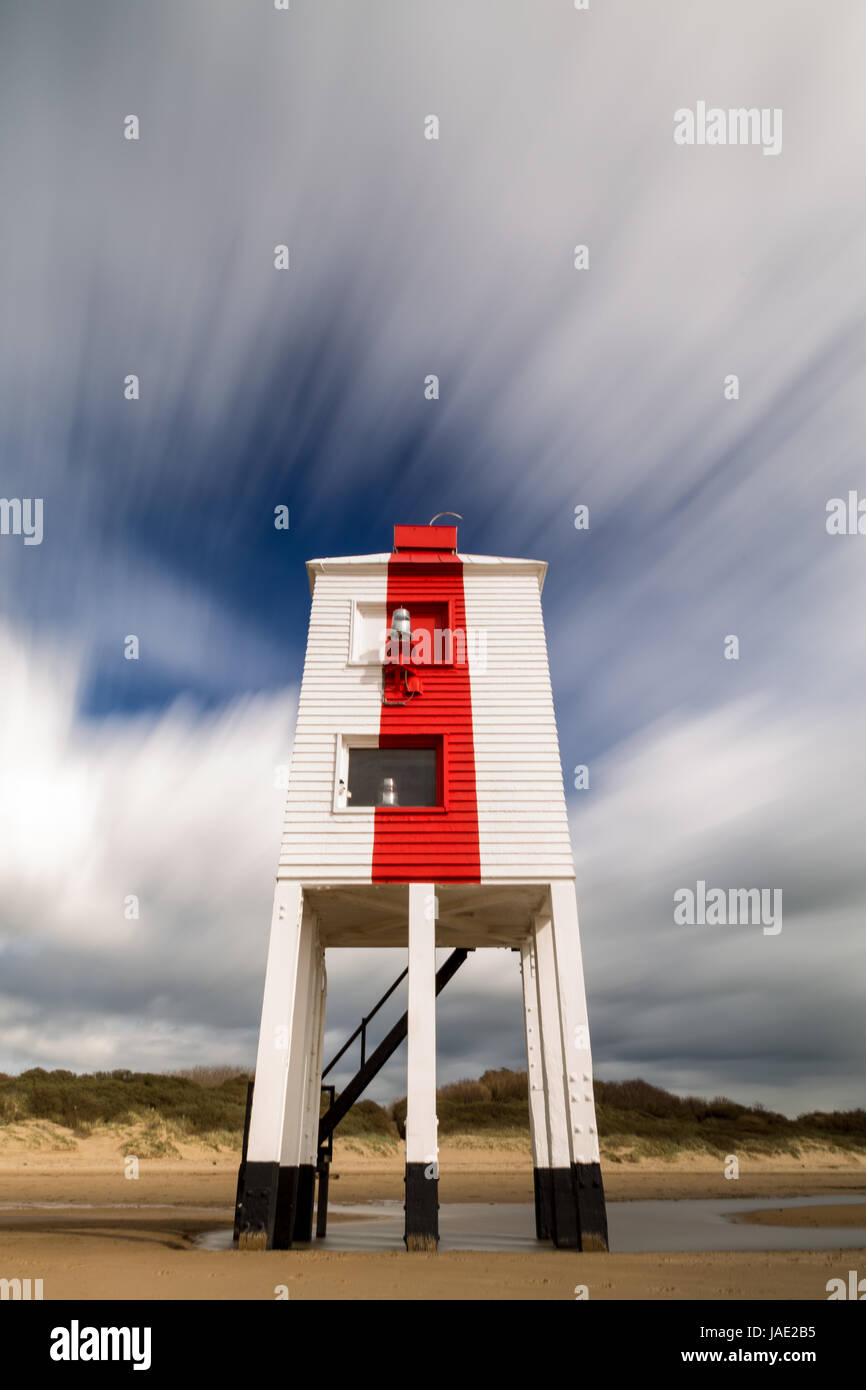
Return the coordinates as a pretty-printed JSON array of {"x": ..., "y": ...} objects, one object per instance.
[{"x": 435, "y": 846}]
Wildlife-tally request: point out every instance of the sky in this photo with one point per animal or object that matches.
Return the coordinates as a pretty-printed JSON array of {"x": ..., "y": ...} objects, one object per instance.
[{"x": 559, "y": 387}]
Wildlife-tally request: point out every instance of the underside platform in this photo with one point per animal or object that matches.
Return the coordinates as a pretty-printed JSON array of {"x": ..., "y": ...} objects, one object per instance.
[{"x": 468, "y": 914}]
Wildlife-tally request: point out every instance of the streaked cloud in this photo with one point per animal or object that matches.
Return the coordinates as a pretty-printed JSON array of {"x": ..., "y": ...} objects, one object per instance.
[{"x": 558, "y": 387}]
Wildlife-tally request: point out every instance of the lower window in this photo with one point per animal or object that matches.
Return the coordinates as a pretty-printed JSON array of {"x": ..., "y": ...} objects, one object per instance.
[{"x": 393, "y": 777}]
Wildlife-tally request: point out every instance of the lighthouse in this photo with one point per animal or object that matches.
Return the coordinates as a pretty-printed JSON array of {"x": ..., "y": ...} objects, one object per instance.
[{"x": 425, "y": 810}]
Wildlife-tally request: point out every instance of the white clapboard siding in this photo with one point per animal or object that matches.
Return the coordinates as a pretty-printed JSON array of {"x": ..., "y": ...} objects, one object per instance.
[
  {"x": 523, "y": 825},
  {"x": 336, "y": 697},
  {"x": 522, "y": 817}
]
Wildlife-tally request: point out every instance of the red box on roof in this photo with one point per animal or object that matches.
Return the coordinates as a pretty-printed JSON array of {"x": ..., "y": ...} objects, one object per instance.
[{"x": 442, "y": 538}]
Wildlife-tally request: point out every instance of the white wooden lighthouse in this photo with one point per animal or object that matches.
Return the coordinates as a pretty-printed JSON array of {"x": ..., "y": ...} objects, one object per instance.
[{"x": 425, "y": 809}]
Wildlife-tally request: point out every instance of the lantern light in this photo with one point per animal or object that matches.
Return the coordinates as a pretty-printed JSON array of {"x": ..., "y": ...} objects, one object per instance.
[
  {"x": 401, "y": 625},
  {"x": 387, "y": 793}
]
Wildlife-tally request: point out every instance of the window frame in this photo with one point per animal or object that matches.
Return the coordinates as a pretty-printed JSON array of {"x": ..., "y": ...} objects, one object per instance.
[
  {"x": 356, "y": 620},
  {"x": 447, "y": 605},
  {"x": 346, "y": 742}
]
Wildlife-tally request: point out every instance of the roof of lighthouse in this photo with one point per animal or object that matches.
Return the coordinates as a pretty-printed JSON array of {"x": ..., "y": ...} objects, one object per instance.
[{"x": 424, "y": 545}]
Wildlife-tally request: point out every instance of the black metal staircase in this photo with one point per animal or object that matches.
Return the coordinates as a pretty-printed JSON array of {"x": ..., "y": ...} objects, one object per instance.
[{"x": 370, "y": 1066}]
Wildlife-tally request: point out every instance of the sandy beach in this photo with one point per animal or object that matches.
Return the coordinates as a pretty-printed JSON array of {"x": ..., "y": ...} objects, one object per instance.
[{"x": 69, "y": 1216}]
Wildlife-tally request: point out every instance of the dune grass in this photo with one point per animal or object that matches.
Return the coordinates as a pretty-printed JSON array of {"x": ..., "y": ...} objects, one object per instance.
[{"x": 157, "y": 1111}]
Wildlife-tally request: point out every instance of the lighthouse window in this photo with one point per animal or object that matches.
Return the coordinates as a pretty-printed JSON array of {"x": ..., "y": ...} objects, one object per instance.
[{"x": 392, "y": 777}]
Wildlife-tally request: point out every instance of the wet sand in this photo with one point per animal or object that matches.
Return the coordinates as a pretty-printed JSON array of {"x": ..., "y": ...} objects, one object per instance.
[
  {"x": 817, "y": 1218},
  {"x": 96, "y": 1234},
  {"x": 149, "y": 1257}
]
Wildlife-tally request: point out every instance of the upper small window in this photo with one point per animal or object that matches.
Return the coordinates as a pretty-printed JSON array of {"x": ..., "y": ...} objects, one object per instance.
[
  {"x": 369, "y": 634},
  {"x": 433, "y": 640},
  {"x": 393, "y": 777}
]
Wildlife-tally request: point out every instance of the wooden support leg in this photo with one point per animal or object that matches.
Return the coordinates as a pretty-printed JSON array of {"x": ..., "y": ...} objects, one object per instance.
[
  {"x": 422, "y": 1169},
  {"x": 303, "y": 1226},
  {"x": 295, "y": 1187},
  {"x": 556, "y": 1184},
  {"x": 260, "y": 1178},
  {"x": 579, "y": 1098},
  {"x": 577, "y": 1212},
  {"x": 535, "y": 1078}
]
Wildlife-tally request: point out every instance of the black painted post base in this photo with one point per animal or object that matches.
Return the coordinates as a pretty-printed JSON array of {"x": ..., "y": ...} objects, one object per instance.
[
  {"x": 569, "y": 1207},
  {"x": 257, "y": 1206},
  {"x": 541, "y": 1182},
  {"x": 564, "y": 1226},
  {"x": 422, "y": 1208},
  {"x": 591, "y": 1209},
  {"x": 287, "y": 1199},
  {"x": 303, "y": 1228}
]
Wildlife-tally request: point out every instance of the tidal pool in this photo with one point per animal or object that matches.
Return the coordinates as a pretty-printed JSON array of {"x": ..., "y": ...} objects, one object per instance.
[{"x": 633, "y": 1226}]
